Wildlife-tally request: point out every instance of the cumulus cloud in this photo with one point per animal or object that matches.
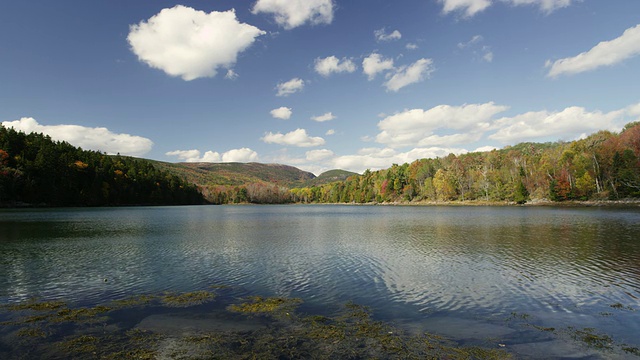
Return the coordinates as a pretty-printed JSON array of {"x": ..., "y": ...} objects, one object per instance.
[
  {"x": 98, "y": 139},
  {"x": 319, "y": 155},
  {"x": 416, "y": 127},
  {"x": 185, "y": 42},
  {"x": 283, "y": 113},
  {"x": 324, "y": 117},
  {"x": 234, "y": 155},
  {"x": 290, "y": 87},
  {"x": 240, "y": 155},
  {"x": 329, "y": 65},
  {"x": 469, "y": 8},
  {"x": 411, "y": 46},
  {"x": 567, "y": 124},
  {"x": 411, "y": 74},
  {"x": 374, "y": 64},
  {"x": 606, "y": 53},
  {"x": 382, "y": 158},
  {"x": 297, "y": 137},
  {"x": 381, "y": 35},
  {"x": 330, "y": 132},
  {"x": 293, "y": 13}
]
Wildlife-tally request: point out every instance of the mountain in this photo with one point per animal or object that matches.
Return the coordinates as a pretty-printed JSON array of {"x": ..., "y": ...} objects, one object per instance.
[
  {"x": 330, "y": 176},
  {"x": 237, "y": 174}
]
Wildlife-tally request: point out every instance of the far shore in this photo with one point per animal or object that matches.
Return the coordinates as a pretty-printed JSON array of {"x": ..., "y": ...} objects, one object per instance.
[{"x": 630, "y": 202}]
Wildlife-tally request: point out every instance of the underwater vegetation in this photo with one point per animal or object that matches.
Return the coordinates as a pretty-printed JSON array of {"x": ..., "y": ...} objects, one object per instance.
[{"x": 252, "y": 327}]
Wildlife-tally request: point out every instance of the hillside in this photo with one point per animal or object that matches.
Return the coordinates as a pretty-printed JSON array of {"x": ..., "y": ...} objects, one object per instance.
[
  {"x": 330, "y": 176},
  {"x": 37, "y": 171},
  {"x": 237, "y": 174}
]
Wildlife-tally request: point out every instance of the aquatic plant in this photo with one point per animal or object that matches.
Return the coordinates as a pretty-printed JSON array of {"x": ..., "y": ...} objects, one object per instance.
[{"x": 186, "y": 299}]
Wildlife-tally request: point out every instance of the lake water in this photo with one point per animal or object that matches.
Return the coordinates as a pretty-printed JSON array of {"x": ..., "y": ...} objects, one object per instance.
[{"x": 463, "y": 272}]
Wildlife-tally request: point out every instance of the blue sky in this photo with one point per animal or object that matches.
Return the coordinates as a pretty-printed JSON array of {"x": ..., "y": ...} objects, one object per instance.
[{"x": 317, "y": 84}]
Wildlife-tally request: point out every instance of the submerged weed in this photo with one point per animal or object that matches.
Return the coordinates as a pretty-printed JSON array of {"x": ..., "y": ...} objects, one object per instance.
[
  {"x": 270, "y": 305},
  {"x": 187, "y": 299}
]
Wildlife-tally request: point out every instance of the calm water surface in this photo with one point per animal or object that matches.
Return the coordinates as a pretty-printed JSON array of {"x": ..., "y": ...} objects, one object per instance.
[{"x": 458, "y": 271}]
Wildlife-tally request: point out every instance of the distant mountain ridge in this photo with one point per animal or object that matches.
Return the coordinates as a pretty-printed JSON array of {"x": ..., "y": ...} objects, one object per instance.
[{"x": 238, "y": 174}]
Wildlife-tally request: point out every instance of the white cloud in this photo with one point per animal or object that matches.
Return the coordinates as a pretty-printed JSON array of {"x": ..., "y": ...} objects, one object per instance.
[
  {"x": 290, "y": 87},
  {"x": 231, "y": 75},
  {"x": 606, "y": 53},
  {"x": 488, "y": 54},
  {"x": 474, "y": 40},
  {"x": 482, "y": 52},
  {"x": 381, "y": 35},
  {"x": 374, "y": 64},
  {"x": 411, "y": 74},
  {"x": 332, "y": 64},
  {"x": 330, "y": 132},
  {"x": 416, "y": 127},
  {"x": 468, "y": 7},
  {"x": 324, "y": 117},
  {"x": 319, "y": 155},
  {"x": 376, "y": 158},
  {"x": 240, "y": 155},
  {"x": 411, "y": 46},
  {"x": 235, "y": 155},
  {"x": 293, "y": 13},
  {"x": 185, "y": 42},
  {"x": 283, "y": 113},
  {"x": 547, "y": 6},
  {"x": 566, "y": 124},
  {"x": 297, "y": 137},
  {"x": 98, "y": 139},
  {"x": 485, "y": 148}
]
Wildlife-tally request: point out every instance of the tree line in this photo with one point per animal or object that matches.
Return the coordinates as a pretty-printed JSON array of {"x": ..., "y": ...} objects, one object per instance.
[
  {"x": 602, "y": 166},
  {"x": 36, "y": 170}
]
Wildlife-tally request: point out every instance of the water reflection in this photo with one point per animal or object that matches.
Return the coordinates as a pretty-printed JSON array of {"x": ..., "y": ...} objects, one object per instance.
[{"x": 403, "y": 261}]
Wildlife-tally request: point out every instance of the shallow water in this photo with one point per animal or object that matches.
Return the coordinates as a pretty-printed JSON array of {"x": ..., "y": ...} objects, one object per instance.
[{"x": 468, "y": 273}]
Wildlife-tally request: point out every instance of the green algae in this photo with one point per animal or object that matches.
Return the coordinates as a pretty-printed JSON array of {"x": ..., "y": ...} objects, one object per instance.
[
  {"x": 351, "y": 333},
  {"x": 272, "y": 305},
  {"x": 186, "y": 299}
]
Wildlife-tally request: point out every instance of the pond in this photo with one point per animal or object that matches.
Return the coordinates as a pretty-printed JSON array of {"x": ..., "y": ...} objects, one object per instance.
[{"x": 536, "y": 282}]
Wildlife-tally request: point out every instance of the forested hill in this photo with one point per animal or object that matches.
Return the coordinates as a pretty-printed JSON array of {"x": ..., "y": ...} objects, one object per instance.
[
  {"x": 223, "y": 183},
  {"x": 37, "y": 171},
  {"x": 234, "y": 174},
  {"x": 603, "y": 166}
]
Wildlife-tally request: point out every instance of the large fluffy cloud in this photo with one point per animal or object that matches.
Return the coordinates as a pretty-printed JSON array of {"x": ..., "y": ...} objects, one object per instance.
[
  {"x": 290, "y": 87},
  {"x": 293, "y": 13},
  {"x": 381, "y": 158},
  {"x": 329, "y": 65},
  {"x": 234, "y": 155},
  {"x": 298, "y": 137},
  {"x": 185, "y": 42},
  {"x": 568, "y": 124},
  {"x": 416, "y": 127},
  {"x": 283, "y": 113},
  {"x": 407, "y": 75},
  {"x": 604, "y": 54},
  {"x": 98, "y": 139}
]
